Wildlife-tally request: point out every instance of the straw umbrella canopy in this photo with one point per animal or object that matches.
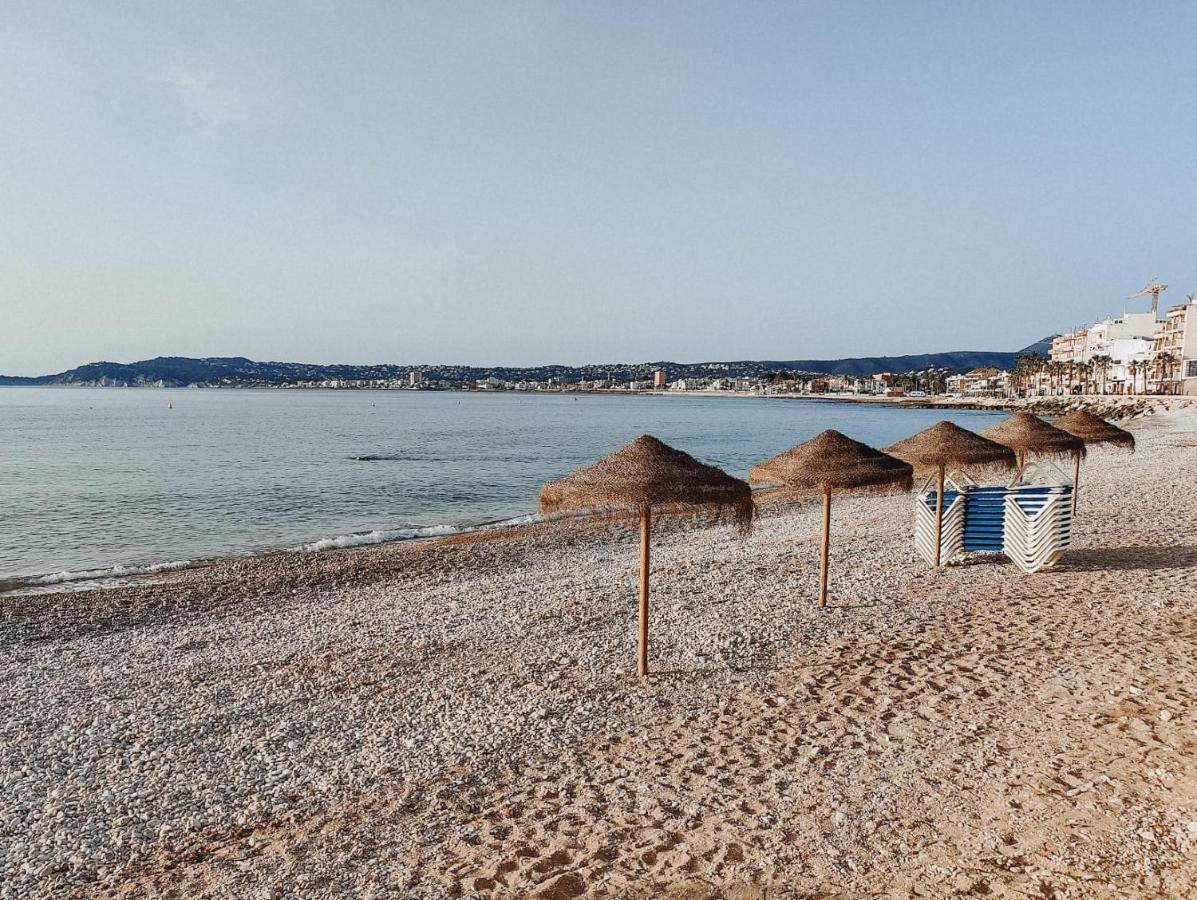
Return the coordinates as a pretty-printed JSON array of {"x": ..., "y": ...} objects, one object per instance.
[
  {"x": 1092, "y": 430},
  {"x": 828, "y": 462},
  {"x": 645, "y": 474},
  {"x": 1024, "y": 433},
  {"x": 945, "y": 445}
]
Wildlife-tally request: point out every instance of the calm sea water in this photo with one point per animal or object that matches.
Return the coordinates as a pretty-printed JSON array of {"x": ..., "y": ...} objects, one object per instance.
[{"x": 99, "y": 478}]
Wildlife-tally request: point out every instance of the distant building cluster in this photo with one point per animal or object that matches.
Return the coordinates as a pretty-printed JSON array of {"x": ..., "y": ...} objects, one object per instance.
[
  {"x": 886, "y": 384},
  {"x": 1137, "y": 353},
  {"x": 981, "y": 382}
]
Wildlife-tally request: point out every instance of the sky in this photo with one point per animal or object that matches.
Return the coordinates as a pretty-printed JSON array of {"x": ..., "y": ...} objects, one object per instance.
[{"x": 510, "y": 183}]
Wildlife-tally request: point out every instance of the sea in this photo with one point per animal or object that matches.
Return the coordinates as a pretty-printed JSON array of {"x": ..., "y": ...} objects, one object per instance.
[{"x": 104, "y": 483}]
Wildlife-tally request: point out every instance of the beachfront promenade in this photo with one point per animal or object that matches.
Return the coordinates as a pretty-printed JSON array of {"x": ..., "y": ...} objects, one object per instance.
[{"x": 462, "y": 717}]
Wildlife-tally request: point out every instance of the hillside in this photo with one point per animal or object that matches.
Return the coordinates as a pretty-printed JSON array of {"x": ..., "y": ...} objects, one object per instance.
[{"x": 181, "y": 371}]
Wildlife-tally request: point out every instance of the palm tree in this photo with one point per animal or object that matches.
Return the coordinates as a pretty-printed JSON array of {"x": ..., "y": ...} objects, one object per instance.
[
  {"x": 1165, "y": 365},
  {"x": 1038, "y": 367},
  {"x": 1024, "y": 365},
  {"x": 1101, "y": 365},
  {"x": 1055, "y": 371},
  {"x": 1028, "y": 366},
  {"x": 1132, "y": 369},
  {"x": 1085, "y": 371}
]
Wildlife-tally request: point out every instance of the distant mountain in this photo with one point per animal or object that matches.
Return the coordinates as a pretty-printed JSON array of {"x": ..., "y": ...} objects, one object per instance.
[
  {"x": 1043, "y": 347},
  {"x": 182, "y": 371},
  {"x": 959, "y": 361},
  {"x": 237, "y": 371},
  {"x": 956, "y": 361}
]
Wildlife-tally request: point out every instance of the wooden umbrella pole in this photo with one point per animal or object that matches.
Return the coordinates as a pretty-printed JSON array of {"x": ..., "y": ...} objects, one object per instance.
[
  {"x": 646, "y": 524},
  {"x": 939, "y": 516},
  {"x": 826, "y": 542},
  {"x": 1076, "y": 479}
]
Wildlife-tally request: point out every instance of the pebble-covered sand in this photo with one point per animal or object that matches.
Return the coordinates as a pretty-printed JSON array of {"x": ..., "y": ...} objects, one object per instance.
[{"x": 462, "y": 718}]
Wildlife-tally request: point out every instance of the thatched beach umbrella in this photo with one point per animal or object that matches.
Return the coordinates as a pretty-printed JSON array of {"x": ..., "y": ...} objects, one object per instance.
[
  {"x": 644, "y": 474},
  {"x": 832, "y": 462},
  {"x": 1092, "y": 430},
  {"x": 945, "y": 445},
  {"x": 1024, "y": 433}
]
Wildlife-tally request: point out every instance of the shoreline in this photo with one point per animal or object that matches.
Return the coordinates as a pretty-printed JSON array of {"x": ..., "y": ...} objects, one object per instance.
[
  {"x": 1123, "y": 409},
  {"x": 122, "y": 573}
]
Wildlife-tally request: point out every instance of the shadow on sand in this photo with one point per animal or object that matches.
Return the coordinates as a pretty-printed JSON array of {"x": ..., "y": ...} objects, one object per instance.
[{"x": 1115, "y": 559}]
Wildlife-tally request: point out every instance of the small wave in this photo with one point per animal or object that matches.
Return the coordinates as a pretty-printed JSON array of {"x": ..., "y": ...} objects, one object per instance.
[
  {"x": 379, "y": 537},
  {"x": 363, "y": 538},
  {"x": 117, "y": 571},
  {"x": 34, "y": 583}
]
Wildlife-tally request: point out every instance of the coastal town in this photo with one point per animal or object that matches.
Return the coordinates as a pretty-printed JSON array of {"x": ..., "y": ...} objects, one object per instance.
[{"x": 1136, "y": 353}]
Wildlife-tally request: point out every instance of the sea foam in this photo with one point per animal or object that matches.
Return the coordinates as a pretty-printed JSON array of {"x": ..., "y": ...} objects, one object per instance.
[
  {"x": 360, "y": 539},
  {"x": 100, "y": 574},
  {"x": 108, "y": 575}
]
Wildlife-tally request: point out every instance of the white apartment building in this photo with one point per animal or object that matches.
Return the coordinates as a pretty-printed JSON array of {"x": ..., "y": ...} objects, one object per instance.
[
  {"x": 1069, "y": 347},
  {"x": 1126, "y": 341},
  {"x": 1130, "y": 358},
  {"x": 1085, "y": 343},
  {"x": 1131, "y": 326},
  {"x": 1177, "y": 337}
]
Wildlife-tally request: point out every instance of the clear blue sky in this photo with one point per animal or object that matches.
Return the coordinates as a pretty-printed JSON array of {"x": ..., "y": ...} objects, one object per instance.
[{"x": 510, "y": 183}]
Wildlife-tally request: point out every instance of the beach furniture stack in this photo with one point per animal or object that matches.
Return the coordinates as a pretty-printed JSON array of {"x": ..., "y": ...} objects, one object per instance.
[
  {"x": 1030, "y": 523},
  {"x": 942, "y": 525},
  {"x": 1038, "y": 520},
  {"x": 1028, "y": 520},
  {"x": 985, "y": 519},
  {"x": 939, "y": 539}
]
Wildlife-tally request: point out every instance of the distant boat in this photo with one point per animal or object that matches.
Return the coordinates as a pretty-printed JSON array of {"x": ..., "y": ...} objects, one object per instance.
[{"x": 170, "y": 406}]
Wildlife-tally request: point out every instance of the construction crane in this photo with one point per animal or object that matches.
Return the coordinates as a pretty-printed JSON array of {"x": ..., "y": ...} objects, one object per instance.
[{"x": 1153, "y": 287}]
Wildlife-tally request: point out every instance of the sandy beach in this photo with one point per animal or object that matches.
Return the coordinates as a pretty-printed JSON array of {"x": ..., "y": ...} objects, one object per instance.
[{"x": 462, "y": 718}]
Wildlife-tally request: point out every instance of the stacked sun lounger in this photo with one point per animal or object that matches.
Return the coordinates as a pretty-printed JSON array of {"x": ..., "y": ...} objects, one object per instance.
[
  {"x": 984, "y": 519},
  {"x": 1038, "y": 525},
  {"x": 951, "y": 540},
  {"x": 1028, "y": 522}
]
